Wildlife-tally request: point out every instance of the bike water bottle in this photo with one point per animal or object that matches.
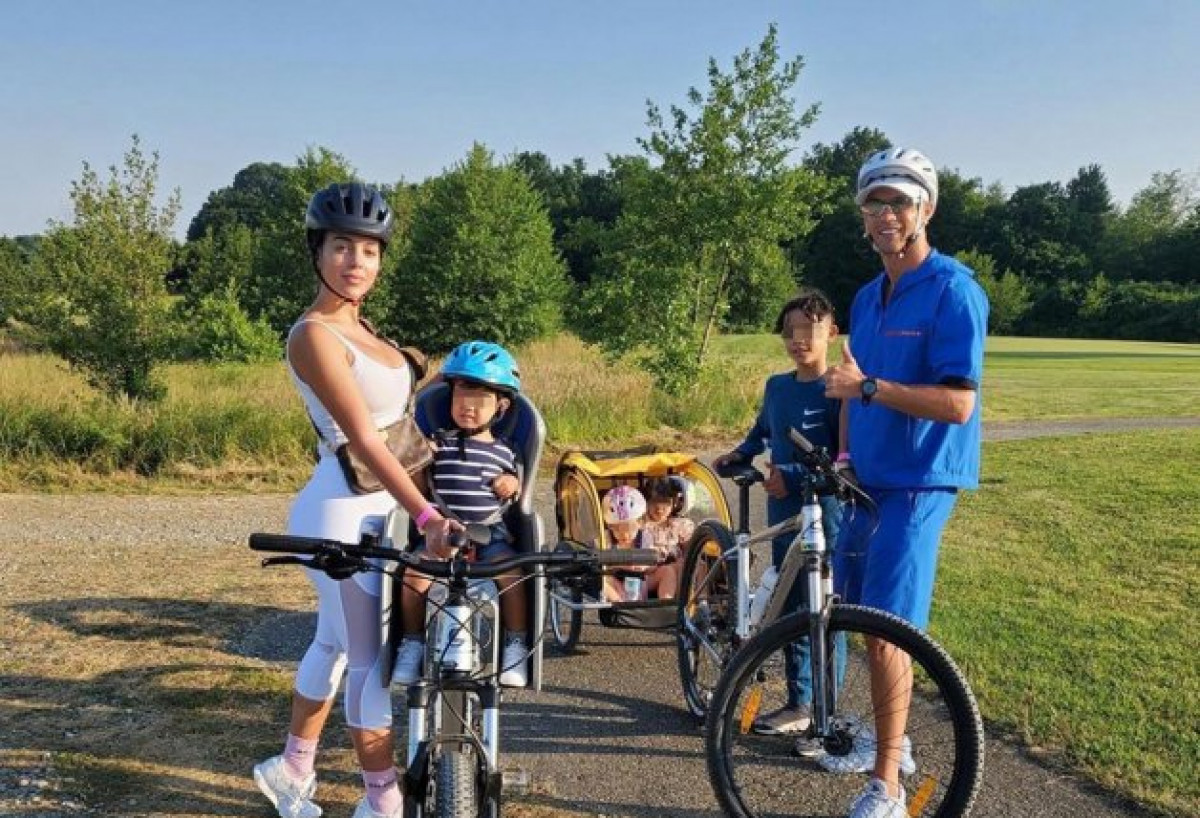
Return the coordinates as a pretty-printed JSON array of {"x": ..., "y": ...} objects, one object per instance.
[
  {"x": 812, "y": 534},
  {"x": 758, "y": 606},
  {"x": 633, "y": 587},
  {"x": 458, "y": 649}
]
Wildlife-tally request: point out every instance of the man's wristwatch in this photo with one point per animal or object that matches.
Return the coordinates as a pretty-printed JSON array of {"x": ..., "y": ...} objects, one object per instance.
[{"x": 869, "y": 387}]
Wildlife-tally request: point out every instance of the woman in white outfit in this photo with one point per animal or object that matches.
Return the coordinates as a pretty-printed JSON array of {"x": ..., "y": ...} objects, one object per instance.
[{"x": 353, "y": 383}]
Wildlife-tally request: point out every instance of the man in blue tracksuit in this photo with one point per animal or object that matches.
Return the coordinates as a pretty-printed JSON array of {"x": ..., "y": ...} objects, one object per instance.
[{"x": 909, "y": 382}]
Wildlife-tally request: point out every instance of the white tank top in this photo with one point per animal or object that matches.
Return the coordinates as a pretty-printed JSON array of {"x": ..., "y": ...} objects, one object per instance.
[{"x": 385, "y": 390}]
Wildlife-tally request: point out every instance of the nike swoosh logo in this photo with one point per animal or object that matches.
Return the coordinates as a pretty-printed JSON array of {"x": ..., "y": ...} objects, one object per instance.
[
  {"x": 808, "y": 412},
  {"x": 810, "y": 425}
]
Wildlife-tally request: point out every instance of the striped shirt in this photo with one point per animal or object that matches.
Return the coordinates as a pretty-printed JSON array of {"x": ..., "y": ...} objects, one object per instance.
[{"x": 463, "y": 472}]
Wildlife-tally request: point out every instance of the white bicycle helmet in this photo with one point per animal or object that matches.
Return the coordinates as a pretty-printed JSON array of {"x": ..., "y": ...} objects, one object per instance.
[
  {"x": 899, "y": 168},
  {"x": 623, "y": 504}
]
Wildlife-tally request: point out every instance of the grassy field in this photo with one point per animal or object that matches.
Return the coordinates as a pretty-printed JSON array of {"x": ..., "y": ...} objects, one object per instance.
[
  {"x": 1068, "y": 590},
  {"x": 243, "y": 428}
]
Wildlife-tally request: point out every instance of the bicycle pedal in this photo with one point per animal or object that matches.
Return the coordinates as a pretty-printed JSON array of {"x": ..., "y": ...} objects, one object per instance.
[{"x": 515, "y": 782}]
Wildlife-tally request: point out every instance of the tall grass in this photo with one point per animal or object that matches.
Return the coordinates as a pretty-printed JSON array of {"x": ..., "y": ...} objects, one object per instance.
[{"x": 243, "y": 425}]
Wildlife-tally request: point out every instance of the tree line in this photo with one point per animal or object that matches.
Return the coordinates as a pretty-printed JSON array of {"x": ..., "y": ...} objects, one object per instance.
[{"x": 712, "y": 226}]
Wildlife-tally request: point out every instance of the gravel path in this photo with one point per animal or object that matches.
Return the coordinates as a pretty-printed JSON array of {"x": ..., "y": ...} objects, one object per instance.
[{"x": 606, "y": 736}]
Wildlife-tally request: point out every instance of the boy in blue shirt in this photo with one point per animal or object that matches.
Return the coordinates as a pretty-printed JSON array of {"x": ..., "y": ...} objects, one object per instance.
[{"x": 795, "y": 399}]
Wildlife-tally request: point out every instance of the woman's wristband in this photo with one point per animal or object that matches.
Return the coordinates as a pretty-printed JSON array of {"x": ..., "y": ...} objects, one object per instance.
[{"x": 424, "y": 516}]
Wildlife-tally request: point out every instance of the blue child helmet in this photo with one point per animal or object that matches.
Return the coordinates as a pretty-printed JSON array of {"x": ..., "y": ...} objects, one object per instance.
[{"x": 484, "y": 363}]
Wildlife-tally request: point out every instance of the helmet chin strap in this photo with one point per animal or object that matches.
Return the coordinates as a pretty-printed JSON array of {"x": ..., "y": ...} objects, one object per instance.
[{"x": 354, "y": 302}]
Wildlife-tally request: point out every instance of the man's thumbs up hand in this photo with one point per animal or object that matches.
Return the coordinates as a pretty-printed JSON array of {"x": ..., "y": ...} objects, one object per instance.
[{"x": 844, "y": 380}]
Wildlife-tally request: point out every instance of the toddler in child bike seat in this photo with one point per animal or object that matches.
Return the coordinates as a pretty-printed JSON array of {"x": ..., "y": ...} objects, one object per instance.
[{"x": 474, "y": 476}]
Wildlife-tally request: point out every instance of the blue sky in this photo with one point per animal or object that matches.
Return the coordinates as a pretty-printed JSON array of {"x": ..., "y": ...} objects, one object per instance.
[{"x": 1011, "y": 91}]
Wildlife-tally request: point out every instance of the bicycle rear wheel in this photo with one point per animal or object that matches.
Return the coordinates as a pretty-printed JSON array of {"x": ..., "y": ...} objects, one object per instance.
[
  {"x": 707, "y": 614},
  {"x": 566, "y": 622},
  {"x": 755, "y": 775}
]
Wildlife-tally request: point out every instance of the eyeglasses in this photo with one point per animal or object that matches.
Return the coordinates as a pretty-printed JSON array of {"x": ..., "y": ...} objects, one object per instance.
[
  {"x": 875, "y": 208},
  {"x": 805, "y": 331}
]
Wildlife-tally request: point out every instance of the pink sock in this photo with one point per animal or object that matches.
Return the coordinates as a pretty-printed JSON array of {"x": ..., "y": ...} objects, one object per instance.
[
  {"x": 383, "y": 794},
  {"x": 299, "y": 756}
]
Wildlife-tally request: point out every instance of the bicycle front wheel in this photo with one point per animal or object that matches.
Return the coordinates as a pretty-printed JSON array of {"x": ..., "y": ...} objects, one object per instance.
[
  {"x": 706, "y": 614},
  {"x": 458, "y": 791},
  {"x": 819, "y": 773}
]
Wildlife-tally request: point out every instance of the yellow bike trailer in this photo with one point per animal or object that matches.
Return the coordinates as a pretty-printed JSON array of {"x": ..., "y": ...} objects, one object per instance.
[{"x": 581, "y": 480}]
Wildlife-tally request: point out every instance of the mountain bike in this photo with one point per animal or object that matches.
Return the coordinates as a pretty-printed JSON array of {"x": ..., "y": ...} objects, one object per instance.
[
  {"x": 941, "y": 753},
  {"x": 453, "y": 748}
]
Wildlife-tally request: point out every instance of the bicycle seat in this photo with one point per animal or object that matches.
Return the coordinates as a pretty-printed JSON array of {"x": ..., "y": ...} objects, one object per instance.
[{"x": 741, "y": 473}]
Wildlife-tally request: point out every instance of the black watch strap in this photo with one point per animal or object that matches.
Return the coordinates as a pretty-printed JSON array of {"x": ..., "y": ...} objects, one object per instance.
[{"x": 869, "y": 387}]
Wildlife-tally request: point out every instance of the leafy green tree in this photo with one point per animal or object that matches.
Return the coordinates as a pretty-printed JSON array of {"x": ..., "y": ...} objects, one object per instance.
[
  {"x": 251, "y": 201},
  {"x": 216, "y": 329},
  {"x": 103, "y": 304},
  {"x": 219, "y": 261},
  {"x": 718, "y": 192},
  {"x": 481, "y": 263},
  {"x": 966, "y": 211},
  {"x": 582, "y": 206},
  {"x": 14, "y": 278},
  {"x": 1092, "y": 210},
  {"x": 1008, "y": 295},
  {"x": 1035, "y": 238},
  {"x": 1151, "y": 240}
]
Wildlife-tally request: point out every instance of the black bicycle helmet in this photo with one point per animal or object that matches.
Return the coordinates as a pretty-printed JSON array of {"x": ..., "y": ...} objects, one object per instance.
[{"x": 352, "y": 208}]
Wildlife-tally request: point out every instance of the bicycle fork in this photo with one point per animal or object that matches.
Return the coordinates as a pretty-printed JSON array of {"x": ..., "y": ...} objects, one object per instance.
[{"x": 808, "y": 555}]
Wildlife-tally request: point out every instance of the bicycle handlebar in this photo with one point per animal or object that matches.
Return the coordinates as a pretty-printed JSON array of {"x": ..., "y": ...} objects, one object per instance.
[
  {"x": 343, "y": 559},
  {"x": 819, "y": 463}
]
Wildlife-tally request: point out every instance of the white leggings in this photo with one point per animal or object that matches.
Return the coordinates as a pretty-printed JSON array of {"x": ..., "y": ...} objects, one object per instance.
[{"x": 348, "y": 623}]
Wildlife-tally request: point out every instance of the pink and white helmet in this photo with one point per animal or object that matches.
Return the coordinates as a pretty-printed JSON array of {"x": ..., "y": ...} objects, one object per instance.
[{"x": 623, "y": 504}]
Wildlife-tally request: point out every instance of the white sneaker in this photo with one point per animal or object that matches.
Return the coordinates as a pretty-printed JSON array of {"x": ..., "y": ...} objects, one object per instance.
[
  {"x": 874, "y": 802},
  {"x": 292, "y": 798},
  {"x": 512, "y": 663},
  {"x": 410, "y": 661},
  {"x": 861, "y": 758},
  {"x": 363, "y": 810}
]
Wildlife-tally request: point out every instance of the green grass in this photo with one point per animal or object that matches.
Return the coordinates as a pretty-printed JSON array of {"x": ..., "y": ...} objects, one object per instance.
[
  {"x": 1068, "y": 590},
  {"x": 1037, "y": 378}
]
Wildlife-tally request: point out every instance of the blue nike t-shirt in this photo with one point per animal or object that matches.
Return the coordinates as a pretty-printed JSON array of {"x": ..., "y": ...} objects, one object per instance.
[
  {"x": 931, "y": 331},
  {"x": 788, "y": 402}
]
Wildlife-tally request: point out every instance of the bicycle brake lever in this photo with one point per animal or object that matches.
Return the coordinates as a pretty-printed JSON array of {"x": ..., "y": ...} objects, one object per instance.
[{"x": 289, "y": 560}]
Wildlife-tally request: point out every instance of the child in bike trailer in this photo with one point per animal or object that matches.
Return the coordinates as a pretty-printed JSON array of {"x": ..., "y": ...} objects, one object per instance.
[
  {"x": 624, "y": 510},
  {"x": 795, "y": 399},
  {"x": 667, "y": 530},
  {"x": 473, "y": 477}
]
